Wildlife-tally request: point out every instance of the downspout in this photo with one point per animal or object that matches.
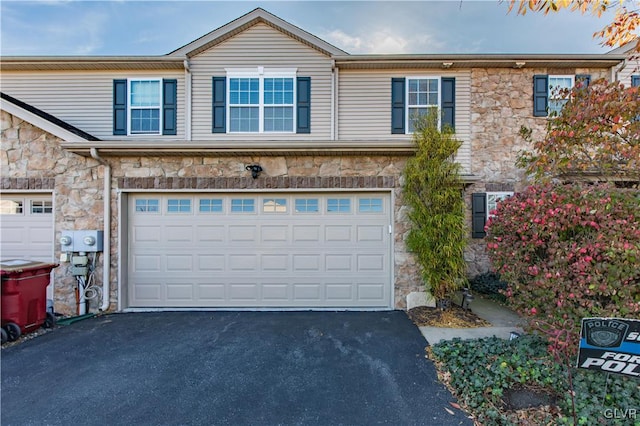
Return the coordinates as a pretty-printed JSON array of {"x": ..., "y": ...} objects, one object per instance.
[
  {"x": 333, "y": 100},
  {"x": 106, "y": 260},
  {"x": 187, "y": 91},
  {"x": 336, "y": 95}
]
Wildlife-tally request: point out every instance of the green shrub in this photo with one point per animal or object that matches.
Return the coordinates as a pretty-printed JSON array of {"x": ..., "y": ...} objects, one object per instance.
[
  {"x": 488, "y": 283},
  {"x": 568, "y": 252},
  {"x": 433, "y": 191}
]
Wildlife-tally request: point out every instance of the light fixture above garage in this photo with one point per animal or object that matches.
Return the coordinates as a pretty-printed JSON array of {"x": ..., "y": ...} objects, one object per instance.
[{"x": 255, "y": 170}]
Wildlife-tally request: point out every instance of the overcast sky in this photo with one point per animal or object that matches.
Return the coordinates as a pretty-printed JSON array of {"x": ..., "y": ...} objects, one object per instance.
[{"x": 158, "y": 27}]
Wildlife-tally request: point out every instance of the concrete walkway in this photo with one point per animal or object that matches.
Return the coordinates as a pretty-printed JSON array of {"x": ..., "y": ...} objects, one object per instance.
[{"x": 503, "y": 322}]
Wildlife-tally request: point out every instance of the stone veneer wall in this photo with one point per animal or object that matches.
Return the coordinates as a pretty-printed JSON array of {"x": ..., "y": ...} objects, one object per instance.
[
  {"x": 32, "y": 159},
  {"x": 501, "y": 103}
]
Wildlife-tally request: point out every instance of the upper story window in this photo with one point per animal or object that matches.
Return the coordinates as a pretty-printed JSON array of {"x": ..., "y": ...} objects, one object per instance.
[
  {"x": 423, "y": 97},
  {"x": 145, "y": 106},
  {"x": 261, "y": 100},
  {"x": 412, "y": 97}
]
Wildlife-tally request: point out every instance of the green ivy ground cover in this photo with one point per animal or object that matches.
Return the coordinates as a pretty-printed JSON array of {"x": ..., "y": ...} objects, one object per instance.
[{"x": 483, "y": 373}]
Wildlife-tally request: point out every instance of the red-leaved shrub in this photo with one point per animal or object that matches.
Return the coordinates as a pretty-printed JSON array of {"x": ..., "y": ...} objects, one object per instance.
[{"x": 568, "y": 252}]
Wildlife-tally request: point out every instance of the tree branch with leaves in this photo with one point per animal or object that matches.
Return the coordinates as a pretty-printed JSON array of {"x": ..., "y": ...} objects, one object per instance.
[{"x": 622, "y": 30}]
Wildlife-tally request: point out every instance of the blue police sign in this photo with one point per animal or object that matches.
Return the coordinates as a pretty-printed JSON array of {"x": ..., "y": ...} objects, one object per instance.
[{"x": 611, "y": 345}]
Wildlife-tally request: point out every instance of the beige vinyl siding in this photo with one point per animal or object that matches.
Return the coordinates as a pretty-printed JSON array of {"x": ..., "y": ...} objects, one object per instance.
[
  {"x": 364, "y": 106},
  {"x": 261, "y": 45},
  {"x": 631, "y": 68},
  {"x": 84, "y": 99}
]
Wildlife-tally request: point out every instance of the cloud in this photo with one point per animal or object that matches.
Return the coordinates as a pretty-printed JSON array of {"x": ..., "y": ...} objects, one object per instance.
[{"x": 380, "y": 41}]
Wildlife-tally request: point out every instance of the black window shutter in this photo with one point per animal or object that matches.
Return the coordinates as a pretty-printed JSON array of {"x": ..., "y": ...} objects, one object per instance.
[
  {"x": 219, "y": 105},
  {"x": 635, "y": 80},
  {"x": 169, "y": 106},
  {"x": 540, "y": 95},
  {"x": 397, "y": 105},
  {"x": 584, "y": 78},
  {"x": 449, "y": 102},
  {"x": 119, "y": 107},
  {"x": 303, "y": 105},
  {"x": 478, "y": 214}
]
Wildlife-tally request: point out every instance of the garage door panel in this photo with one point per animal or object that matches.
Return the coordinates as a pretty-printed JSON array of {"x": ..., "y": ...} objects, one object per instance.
[
  {"x": 338, "y": 233},
  {"x": 275, "y": 233},
  {"x": 148, "y": 234},
  {"x": 180, "y": 292},
  {"x": 215, "y": 292},
  {"x": 275, "y": 262},
  {"x": 243, "y": 233},
  {"x": 243, "y": 262},
  {"x": 338, "y": 262},
  {"x": 303, "y": 233},
  {"x": 275, "y": 292},
  {"x": 211, "y": 262},
  {"x": 179, "y": 234},
  {"x": 208, "y": 233},
  {"x": 180, "y": 263},
  {"x": 148, "y": 263},
  {"x": 274, "y": 256}
]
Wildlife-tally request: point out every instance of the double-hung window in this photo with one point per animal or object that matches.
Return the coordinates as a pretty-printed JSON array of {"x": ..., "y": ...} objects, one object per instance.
[
  {"x": 423, "y": 97},
  {"x": 559, "y": 88},
  {"x": 144, "y": 106},
  {"x": 552, "y": 92},
  {"x": 261, "y": 101},
  {"x": 413, "y": 97}
]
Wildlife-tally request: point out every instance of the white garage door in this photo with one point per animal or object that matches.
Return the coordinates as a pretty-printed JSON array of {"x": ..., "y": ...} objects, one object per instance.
[
  {"x": 291, "y": 250},
  {"x": 26, "y": 227}
]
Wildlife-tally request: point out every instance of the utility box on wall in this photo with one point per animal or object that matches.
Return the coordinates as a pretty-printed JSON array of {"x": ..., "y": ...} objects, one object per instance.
[{"x": 81, "y": 241}]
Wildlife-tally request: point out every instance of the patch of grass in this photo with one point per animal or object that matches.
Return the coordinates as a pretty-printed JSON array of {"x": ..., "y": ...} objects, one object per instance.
[{"x": 482, "y": 372}]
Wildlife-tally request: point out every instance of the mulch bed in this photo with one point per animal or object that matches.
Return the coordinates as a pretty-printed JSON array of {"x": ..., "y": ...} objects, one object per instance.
[{"x": 454, "y": 317}]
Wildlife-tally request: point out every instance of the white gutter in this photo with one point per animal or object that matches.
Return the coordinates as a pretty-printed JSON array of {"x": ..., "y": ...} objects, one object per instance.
[
  {"x": 187, "y": 91},
  {"x": 106, "y": 262}
]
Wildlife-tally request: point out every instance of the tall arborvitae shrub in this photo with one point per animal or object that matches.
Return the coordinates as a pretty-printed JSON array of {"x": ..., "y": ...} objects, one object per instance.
[{"x": 433, "y": 191}]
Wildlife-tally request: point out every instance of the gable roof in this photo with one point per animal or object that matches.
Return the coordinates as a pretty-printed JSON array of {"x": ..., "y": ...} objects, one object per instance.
[
  {"x": 43, "y": 120},
  {"x": 252, "y": 18}
]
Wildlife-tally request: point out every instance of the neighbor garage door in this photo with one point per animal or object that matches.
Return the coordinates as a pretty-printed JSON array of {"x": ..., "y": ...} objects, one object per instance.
[
  {"x": 26, "y": 227},
  {"x": 290, "y": 250}
]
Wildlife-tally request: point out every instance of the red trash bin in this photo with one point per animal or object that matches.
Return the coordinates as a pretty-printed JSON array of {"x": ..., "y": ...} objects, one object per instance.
[{"x": 24, "y": 296}]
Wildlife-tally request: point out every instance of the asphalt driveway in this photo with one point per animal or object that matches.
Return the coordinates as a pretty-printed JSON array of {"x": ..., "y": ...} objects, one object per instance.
[{"x": 226, "y": 368}]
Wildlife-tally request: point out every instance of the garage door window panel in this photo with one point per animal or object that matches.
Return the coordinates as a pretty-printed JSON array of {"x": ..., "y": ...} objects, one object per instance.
[
  {"x": 211, "y": 205},
  {"x": 41, "y": 207},
  {"x": 243, "y": 205},
  {"x": 12, "y": 207},
  {"x": 274, "y": 205},
  {"x": 370, "y": 205},
  {"x": 339, "y": 205},
  {"x": 179, "y": 206},
  {"x": 144, "y": 205},
  {"x": 307, "y": 205}
]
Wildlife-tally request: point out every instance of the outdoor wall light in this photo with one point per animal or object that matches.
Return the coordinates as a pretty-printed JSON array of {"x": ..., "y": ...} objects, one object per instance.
[
  {"x": 467, "y": 298},
  {"x": 255, "y": 170}
]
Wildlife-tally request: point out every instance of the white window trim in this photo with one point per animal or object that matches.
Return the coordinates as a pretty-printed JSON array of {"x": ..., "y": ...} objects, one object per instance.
[
  {"x": 555, "y": 97},
  {"x": 501, "y": 194},
  {"x": 130, "y": 107},
  {"x": 407, "y": 105},
  {"x": 260, "y": 73}
]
